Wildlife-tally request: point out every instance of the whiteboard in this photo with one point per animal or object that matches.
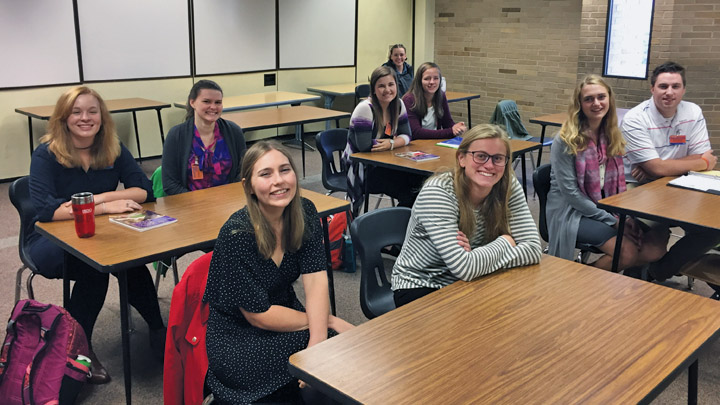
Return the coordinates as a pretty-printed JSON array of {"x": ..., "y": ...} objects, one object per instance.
[
  {"x": 317, "y": 33},
  {"x": 134, "y": 39},
  {"x": 38, "y": 43},
  {"x": 233, "y": 36}
]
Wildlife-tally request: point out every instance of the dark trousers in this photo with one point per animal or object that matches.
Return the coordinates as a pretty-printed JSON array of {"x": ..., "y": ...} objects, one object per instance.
[
  {"x": 690, "y": 247},
  {"x": 402, "y": 186},
  {"x": 90, "y": 289},
  {"x": 403, "y": 297}
]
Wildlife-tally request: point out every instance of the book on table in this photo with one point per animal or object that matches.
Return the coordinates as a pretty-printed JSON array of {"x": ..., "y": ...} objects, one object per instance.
[
  {"x": 417, "y": 156},
  {"x": 707, "y": 182},
  {"x": 451, "y": 143},
  {"x": 142, "y": 220}
]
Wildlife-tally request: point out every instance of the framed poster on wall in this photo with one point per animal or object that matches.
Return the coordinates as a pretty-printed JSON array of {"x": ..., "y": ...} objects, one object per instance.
[{"x": 627, "y": 38}]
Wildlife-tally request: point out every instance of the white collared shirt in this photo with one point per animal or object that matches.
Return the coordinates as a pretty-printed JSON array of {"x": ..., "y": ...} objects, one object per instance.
[{"x": 648, "y": 133}]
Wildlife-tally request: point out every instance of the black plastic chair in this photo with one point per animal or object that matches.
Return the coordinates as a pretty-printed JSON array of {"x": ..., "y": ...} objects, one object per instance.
[
  {"x": 329, "y": 143},
  {"x": 361, "y": 91},
  {"x": 370, "y": 233},
  {"x": 20, "y": 198},
  {"x": 541, "y": 182}
]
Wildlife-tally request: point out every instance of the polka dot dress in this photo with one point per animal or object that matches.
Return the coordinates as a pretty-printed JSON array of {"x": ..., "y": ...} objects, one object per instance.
[{"x": 247, "y": 363}]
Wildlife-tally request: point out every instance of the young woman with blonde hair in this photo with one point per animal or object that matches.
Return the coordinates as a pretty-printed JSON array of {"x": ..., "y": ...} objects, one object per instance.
[
  {"x": 81, "y": 152},
  {"x": 256, "y": 321},
  {"x": 587, "y": 166},
  {"x": 467, "y": 222}
]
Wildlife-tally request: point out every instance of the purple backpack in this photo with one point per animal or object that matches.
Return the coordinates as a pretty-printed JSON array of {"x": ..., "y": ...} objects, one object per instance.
[{"x": 38, "y": 362}]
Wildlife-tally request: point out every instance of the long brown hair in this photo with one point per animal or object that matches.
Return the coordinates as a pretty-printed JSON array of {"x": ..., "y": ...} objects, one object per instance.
[
  {"x": 293, "y": 217},
  {"x": 419, "y": 106},
  {"x": 495, "y": 206},
  {"x": 106, "y": 146},
  {"x": 572, "y": 131},
  {"x": 393, "y": 107},
  {"x": 195, "y": 90}
]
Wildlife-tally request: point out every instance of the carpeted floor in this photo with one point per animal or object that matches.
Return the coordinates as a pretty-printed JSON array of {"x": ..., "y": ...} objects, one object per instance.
[{"x": 147, "y": 372}]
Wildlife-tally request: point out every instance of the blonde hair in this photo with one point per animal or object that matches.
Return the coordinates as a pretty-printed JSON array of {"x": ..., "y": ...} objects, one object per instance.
[
  {"x": 293, "y": 217},
  {"x": 106, "y": 146},
  {"x": 572, "y": 131},
  {"x": 495, "y": 206}
]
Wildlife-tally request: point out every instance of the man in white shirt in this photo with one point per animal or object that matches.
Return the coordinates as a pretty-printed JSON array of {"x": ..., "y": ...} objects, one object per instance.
[{"x": 667, "y": 136}]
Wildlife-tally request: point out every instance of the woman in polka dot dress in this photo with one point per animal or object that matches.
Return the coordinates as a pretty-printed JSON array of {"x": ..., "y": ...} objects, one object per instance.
[{"x": 256, "y": 321}]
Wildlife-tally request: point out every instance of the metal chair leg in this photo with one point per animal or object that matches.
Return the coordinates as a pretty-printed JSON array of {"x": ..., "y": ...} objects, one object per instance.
[
  {"x": 18, "y": 282},
  {"x": 31, "y": 293},
  {"x": 175, "y": 271}
]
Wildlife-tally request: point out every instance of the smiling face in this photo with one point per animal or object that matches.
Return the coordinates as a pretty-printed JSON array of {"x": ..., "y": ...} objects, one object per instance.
[
  {"x": 385, "y": 90},
  {"x": 483, "y": 177},
  {"x": 273, "y": 182},
  {"x": 595, "y": 101},
  {"x": 398, "y": 57},
  {"x": 667, "y": 93},
  {"x": 84, "y": 120},
  {"x": 207, "y": 105},
  {"x": 430, "y": 81}
]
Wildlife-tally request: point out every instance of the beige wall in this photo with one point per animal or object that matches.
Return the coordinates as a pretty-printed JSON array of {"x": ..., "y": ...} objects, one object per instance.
[
  {"x": 374, "y": 36},
  {"x": 535, "y": 51}
]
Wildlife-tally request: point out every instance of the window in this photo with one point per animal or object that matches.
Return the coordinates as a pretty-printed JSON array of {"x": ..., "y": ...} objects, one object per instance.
[{"x": 627, "y": 38}]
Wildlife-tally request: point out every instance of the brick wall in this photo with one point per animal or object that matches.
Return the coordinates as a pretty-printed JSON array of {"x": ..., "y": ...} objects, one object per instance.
[
  {"x": 535, "y": 51},
  {"x": 525, "y": 50}
]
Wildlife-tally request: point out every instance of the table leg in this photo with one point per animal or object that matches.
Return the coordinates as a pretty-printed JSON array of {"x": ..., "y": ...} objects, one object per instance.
[
  {"x": 542, "y": 140},
  {"x": 300, "y": 130},
  {"x": 162, "y": 134},
  {"x": 693, "y": 383},
  {"x": 137, "y": 135},
  {"x": 328, "y": 256},
  {"x": 618, "y": 243},
  {"x": 523, "y": 168},
  {"x": 124, "y": 314},
  {"x": 469, "y": 116},
  {"x": 366, "y": 187},
  {"x": 328, "y": 104},
  {"x": 30, "y": 132},
  {"x": 66, "y": 280}
]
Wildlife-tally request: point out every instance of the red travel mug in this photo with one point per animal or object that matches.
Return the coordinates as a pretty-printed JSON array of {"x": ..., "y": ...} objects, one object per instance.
[{"x": 83, "y": 206}]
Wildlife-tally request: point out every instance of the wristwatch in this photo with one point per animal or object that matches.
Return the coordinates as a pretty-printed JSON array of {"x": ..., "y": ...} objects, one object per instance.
[{"x": 392, "y": 143}]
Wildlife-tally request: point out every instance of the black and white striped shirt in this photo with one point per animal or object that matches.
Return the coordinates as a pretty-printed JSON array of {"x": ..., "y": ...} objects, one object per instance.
[{"x": 431, "y": 256}]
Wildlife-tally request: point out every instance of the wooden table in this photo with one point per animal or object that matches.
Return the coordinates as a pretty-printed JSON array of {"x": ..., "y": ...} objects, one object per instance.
[
  {"x": 329, "y": 93},
  {"x": 297, "y": 115},
  {"x": 446, "y": 161},
  {"x": 517, "y": 337},
  {"x": 132, "y": 105},
  {"x": 261, "y": 100},
  {"x": 661, "y": 203},
  {"x": 453, "y": 96},
  {"x": 558, "y": 119},
  {"x": 200, "y": 215}
]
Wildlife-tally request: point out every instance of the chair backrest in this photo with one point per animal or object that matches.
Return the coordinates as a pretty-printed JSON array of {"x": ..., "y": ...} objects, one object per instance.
[
  {"x": 362, "y": 91},
  {"x": 507, "y": 114},
  {"x": 370, "y": 233},
  {"x": 20, "y": 198},
  {"x": 541, "y": 182},
  {"x": 157, "y": 184},
  {"x": 329, "y": 143}
]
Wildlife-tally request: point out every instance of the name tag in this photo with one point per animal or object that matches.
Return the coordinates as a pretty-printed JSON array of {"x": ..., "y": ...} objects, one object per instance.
[{"x": 677, "y": 139}]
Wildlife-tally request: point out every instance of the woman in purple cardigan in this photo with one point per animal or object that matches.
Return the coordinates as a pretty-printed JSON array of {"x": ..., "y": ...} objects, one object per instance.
[{"x": 427, "y": 106}]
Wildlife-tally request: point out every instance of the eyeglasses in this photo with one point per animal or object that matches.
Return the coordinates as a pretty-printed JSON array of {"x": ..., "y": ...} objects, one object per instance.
[{"x": 481, "y": 158}]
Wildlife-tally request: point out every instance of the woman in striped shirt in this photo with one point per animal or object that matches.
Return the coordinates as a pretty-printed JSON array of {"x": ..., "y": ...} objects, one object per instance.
[{"x": 467, "y": 222}]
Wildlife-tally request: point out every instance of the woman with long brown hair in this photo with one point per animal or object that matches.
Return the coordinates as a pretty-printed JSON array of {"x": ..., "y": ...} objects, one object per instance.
[
  {"x": 256, "y": 321},
  {"x": 81, "y": 152},
  {"x": 467, "y": 222}
]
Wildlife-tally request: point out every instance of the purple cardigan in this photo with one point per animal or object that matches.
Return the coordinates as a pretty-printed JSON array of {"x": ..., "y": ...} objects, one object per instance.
[{"x": 418, "y": 132}]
